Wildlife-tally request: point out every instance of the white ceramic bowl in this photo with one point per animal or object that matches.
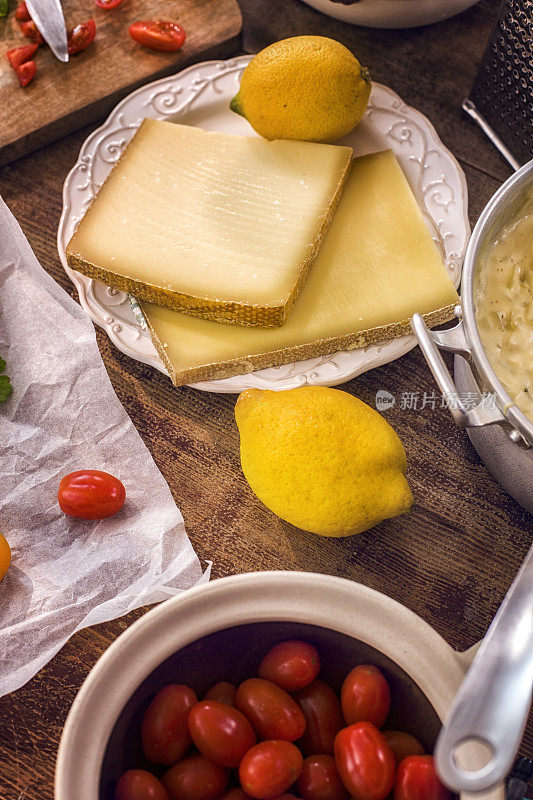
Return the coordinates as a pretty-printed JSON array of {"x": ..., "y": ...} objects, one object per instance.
[
  {"x": 392, "y": 13},
  {"x": 198, "y": 638}
]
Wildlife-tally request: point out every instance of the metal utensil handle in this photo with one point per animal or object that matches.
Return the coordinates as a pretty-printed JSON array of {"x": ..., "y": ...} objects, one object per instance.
[
  {"x": 493, "y": 701},
  {"x": 453, "y": 340}
]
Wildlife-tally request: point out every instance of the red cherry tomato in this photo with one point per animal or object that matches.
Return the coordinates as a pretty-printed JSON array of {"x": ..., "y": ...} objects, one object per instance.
[
  {"x": 138, "y": 784},
  {"x": 365, "y": 696},
  {"x": 164, "y": 731},
  {"x": 158, "y": 34},
  {"x": 26, "y": 72},
  {"x": 30, "y": 30},
  {"x": 269, "y": 768},
  {"x": 291, "y": 665},
  {"x": 323, "y": 716},
  {"x": 220, "y": 732},
  {"x": 223, "y": 691},
  {"x": 272, "y": 712},
  {"x": 21, "y": 12},
  {"x": 90, "y": 494},
  {"x": 81, "y": 36},
  {"x": 195, "y": 778},
  {"x": 403, "y": 745},
  {"x": 416, "y": 779},
  {"x": 236, "y": 794},
  {"x": 107, "y": 5},
  {"x": 365, "y": 761},
  {"x": 320, "y": 780},
  {"x": 19, "y": 55}
]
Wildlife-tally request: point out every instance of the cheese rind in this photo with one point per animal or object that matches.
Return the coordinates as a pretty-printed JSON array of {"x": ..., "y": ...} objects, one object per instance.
[
  {"x": 377, "y": 267},
  {"x": 221, "y": 226}
]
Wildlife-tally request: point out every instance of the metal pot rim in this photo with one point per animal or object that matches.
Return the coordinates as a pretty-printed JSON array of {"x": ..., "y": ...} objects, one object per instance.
[{"x": 508, "y": 192}]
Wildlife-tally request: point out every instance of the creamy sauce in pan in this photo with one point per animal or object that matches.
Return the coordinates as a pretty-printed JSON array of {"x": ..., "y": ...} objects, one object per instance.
[{"x": 503, "y": 296}]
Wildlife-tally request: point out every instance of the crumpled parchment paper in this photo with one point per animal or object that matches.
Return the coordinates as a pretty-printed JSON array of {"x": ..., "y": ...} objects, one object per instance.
[{"x": 63, "y": 415}]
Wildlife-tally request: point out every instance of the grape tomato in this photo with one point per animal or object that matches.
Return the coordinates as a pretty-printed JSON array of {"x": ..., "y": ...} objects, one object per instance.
[
  {"x": 323, "y": 717},
  {"x": 320, "y": 780},
  {"x": 292, "y": 665},
  {"x": 158, "y": 34},
  {"x": 272, "y": 712},
  {"x": 164, "y": 730},
  {"x": 223, "y": 691},
  {"x": 365, "y": 761},
  {"x": 81, "y": 36},
  {"x": 138, "y": 784},
  {"x": 220, "y": 732},
  {"x": 365, "y": 696},
  {"x": 416, "y": 779},
  {"x": 269, "y": 768},
  {"x": 90, "y": 494},
  {"x": 403, "y": 745},
  {"x": 195, "y": 778}
]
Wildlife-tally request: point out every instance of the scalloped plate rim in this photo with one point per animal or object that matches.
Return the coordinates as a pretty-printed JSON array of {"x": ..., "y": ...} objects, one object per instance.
[{"x": 378, "y": 354}]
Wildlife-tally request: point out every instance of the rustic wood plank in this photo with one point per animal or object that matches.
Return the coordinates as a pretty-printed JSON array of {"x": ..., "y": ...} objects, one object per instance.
[
  {"x": 65, "y": 97},
  {"x": 451, "y": 559}
]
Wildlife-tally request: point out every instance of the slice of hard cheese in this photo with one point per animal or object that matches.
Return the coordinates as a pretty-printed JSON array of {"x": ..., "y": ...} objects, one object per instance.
[
  {"x": 377, "y": 266},
  {"x": 221, "y": 226}
]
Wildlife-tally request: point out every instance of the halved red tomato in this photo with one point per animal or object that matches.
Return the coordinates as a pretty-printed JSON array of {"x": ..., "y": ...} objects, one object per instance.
[
  {"x": 19, "y": 55},
  {"x": 29, "y": 29},
  {"x": 81, "y": 36},
  {"x": 158, "y": 34},
  {"x": 26, "y": 72},
  {"x": 21, "y": 12}
]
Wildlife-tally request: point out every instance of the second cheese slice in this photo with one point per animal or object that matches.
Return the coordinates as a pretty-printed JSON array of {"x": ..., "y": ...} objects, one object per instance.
[{"x": 219, "y": 226}]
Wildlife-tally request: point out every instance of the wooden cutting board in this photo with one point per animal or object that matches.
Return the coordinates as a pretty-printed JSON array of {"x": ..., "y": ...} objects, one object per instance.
[{"x": 65, "y": 97}]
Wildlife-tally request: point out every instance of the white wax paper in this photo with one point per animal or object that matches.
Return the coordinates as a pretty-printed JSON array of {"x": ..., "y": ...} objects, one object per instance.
[{"x": 63, "y": 415}]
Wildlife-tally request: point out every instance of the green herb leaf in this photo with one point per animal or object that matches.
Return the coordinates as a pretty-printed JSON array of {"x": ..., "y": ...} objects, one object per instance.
[
  {"x": 4, "y": 8},
  {"x": 5, "y": 384}
]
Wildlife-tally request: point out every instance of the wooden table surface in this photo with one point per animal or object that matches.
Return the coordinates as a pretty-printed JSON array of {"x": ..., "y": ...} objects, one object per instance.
[{"x": 451, "y": 559}]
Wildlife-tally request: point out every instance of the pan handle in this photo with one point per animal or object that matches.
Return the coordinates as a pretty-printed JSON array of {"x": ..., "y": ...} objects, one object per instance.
[
  {"x": 492, "y": 704},
  {"x": 453, "y": 340}
]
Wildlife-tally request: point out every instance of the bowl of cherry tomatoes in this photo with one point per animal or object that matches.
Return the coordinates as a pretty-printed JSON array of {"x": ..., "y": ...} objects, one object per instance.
[{"x": 265, "y": 685}]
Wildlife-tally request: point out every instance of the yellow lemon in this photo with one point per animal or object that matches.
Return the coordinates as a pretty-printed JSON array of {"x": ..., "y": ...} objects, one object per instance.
[
  {"x": 307, "y": 87},
  {"x": 321, "y": 459}
]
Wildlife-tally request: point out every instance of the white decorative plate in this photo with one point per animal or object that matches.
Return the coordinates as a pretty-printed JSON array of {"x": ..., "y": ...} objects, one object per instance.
[{"x": 200, "y": 96}]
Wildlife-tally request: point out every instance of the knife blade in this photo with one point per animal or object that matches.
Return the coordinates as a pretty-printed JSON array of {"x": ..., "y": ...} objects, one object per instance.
[{"x": 49, "y": 19}]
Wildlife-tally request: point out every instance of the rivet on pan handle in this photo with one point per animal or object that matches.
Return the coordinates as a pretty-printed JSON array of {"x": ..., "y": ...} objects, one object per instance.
[
  {"x": 453, "y": 340},
  {"x": 493, "y": 701}
]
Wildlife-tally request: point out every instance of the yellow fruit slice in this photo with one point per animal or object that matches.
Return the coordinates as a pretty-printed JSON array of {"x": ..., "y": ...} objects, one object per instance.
[{"x": 321, "y": 459}]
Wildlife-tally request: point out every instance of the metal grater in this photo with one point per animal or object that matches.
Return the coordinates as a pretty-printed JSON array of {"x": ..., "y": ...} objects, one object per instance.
[{"x": 501, "y": 99}]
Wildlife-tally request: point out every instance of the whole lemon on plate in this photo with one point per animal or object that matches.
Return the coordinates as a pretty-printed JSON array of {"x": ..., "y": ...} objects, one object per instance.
[
  {"x": 306, "y": 87},
  {"x": 321, "y": 459}
]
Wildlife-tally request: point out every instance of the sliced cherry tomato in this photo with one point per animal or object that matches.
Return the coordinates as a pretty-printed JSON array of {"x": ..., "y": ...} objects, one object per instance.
[
  {"x": 26, "y": 72},
  {"x": 19, "y": 55},
  {"x": 164, "y": 731},
  {"x": 320, "y": 780},
  {"x": 138, "y": 784},
  {"x": 269, "y": 768},
  {"x": 29, "y": 29},
  {"x": 365, "y": 761},
  {"x": 291, "y": 665},
  {"x": 403, "y": 745},
  {"x": 5, "y": 556},
  {"x": 220, "y": 732},
  {"x": 272, "y": 712},
  {"x": 90, "y": 494},
  {"x": 21, "y": 12},
  {"x": 81, "y": 36},
  {"x": 416, "y": 779},
  {"x": 223, "y": 691},
  {"x": 107, "y": 5},
  {"x": 365, "y": 696},
  {"x": 195, "y": 778},
  {"x": 158, "y": 34},
  {"x": 323, "y": 717}
]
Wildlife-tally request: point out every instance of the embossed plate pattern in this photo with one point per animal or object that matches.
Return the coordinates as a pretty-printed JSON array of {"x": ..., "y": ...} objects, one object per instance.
[{"x": 199, "y": 96}]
